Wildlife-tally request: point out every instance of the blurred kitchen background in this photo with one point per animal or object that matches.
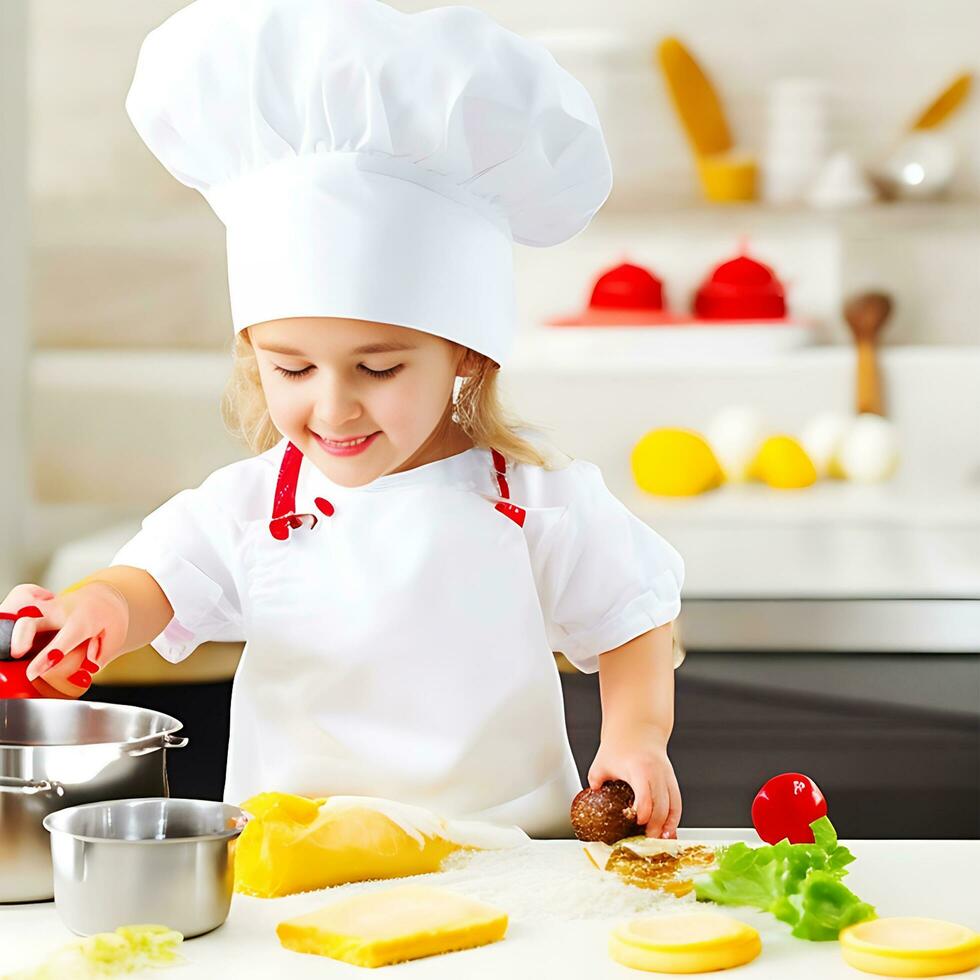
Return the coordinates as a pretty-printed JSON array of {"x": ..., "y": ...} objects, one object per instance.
[{"x": 832, "y": 149}]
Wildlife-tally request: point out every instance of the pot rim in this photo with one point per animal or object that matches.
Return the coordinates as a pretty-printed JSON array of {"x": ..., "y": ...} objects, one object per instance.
[
  {"x": 51, "y": 820},
  {"x": 170, "y": 729}
]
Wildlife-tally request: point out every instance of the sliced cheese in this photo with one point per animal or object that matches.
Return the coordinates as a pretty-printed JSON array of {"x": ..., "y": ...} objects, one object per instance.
[
  {"x": 403, "y": 923},
  {"x": 650, "y": 862},
  {"x": 910, "y": 947},
  {"x": 694, "y": 942},
  {"x": 294, "y": 844}
]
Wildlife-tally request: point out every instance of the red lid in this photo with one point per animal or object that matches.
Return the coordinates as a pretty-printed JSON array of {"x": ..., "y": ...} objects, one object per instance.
[
  {"x": 741, "y": 289},
  {"x": 627, "y": 287}
]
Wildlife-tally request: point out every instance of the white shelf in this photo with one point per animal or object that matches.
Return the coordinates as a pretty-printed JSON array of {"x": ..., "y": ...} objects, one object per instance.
[
  {"x": 878, "y": 218},
  {"x": 577, "y": 350}
]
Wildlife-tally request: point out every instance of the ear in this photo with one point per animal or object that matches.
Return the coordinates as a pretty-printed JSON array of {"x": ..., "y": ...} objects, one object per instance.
[{"x": 470, "y": 364}]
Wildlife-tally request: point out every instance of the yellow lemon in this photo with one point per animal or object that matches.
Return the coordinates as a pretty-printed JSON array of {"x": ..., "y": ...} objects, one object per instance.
[
  {"x": 782, "y": 462},
  {"x": 675, "y": 463}
]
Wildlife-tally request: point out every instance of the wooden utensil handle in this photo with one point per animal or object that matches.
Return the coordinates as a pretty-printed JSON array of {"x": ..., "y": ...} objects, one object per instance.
[{"x": 868, "y": 381}]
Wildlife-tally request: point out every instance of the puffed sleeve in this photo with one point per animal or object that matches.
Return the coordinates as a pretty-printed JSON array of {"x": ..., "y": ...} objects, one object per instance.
[
  {"x": 188, "y": 545},
  {"x": 604, "y": 577}
]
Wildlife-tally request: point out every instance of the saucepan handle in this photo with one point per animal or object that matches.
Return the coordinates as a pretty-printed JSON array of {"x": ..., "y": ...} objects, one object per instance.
[
  {"x": 165, "y": 741},
  {"x": 31, "y": 787}
]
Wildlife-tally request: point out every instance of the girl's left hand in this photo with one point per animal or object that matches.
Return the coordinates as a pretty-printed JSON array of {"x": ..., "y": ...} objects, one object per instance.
[{"x": 639, "y": 757}]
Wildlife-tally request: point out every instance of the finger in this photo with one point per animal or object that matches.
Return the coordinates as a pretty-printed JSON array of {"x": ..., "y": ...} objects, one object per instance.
[
  {"x": 67, "y": 677},
  {"x": 642, "y": 803},
  {"x": 93, "y": 650},
  {"x": 24, "y": 595},
  {"x": 674, "y": 814},
  {"x": 66, "y": 639},
  {"x": 68, "y": 687},
  {"x": 29, "y": 620},
  {"x": 661, "y": 807},
  {"x": 22, "y": 636},
  {"x": 44, "y": 662},
  {"x": 81, "y": 679},
  {"x": 598, "y": 775},
  {"x": 47, "y": 691},
  {"x": 99, "y": 651}
]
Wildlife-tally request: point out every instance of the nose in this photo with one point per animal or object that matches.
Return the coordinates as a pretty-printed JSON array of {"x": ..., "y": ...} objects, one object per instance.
[{"x": 336, "y": 404}]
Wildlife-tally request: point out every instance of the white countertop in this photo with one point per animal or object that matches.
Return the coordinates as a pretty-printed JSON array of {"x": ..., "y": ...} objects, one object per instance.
[{"x": 928, "y": 878}]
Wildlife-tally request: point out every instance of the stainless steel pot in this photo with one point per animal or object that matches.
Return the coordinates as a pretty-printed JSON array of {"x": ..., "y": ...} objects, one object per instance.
[
  {"x": 163, "y": 861},
  {"x": 55, "y": 754}
]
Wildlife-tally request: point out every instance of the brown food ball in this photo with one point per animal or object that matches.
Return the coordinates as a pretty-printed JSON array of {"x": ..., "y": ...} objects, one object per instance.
[{"x": 605, "y": 814}]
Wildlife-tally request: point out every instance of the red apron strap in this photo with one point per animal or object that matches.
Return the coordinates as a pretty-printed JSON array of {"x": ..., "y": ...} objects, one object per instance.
[
  {"x": 515, "y": 513},
  {"x": 285, "y": 499},
  {"x": 284, "y": 516}
]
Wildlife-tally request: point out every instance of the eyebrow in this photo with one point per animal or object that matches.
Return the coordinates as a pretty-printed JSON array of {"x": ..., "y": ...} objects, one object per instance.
[{"x": 366, "y": 349}]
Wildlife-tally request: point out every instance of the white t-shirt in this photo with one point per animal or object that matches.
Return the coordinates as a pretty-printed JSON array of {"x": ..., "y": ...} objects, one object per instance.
[{"x": 603, "y": 576}]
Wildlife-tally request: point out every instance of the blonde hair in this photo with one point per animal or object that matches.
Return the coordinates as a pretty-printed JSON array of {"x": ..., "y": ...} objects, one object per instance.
[{"x": 478, "y": 409}]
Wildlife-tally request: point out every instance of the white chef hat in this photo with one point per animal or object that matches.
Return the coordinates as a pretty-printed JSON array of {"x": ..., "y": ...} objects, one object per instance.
[{"x": 369, "y": 163}]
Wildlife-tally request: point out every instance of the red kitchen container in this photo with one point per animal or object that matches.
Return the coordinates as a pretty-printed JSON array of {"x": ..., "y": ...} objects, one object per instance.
[
  {"x": 628, "y": 287},
  {"x": 741, "y": 289}
]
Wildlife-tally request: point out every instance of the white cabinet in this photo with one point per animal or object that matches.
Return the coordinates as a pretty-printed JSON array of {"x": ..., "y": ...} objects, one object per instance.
[{"x": 13, "y": 279}]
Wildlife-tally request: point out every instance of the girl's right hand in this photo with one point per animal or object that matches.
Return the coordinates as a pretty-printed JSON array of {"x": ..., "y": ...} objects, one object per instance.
[{"x": 90, "y": 626}]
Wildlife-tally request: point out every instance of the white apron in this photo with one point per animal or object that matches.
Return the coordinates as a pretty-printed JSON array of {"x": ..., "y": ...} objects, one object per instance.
[{"x": 397, "y": 648}]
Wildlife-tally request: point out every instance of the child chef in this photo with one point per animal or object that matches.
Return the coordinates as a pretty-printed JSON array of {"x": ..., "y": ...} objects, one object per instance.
[{"x": 400, "y": 559}]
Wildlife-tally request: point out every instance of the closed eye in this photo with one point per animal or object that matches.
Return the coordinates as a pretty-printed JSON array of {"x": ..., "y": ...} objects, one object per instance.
[
  {"x": 387, "y": 373},
  {"x": 294, "y": 374}
]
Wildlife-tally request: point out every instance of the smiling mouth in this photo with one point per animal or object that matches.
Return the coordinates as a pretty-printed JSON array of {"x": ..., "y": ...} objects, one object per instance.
[
  {"x": 345, "y": 443},
  {"x": 345, "y": 446}
]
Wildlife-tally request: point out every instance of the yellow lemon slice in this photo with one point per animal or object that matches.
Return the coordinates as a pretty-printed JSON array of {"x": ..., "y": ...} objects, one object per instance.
[
  {"x": 783, "y": 463},
  {"x": 694, "y": 942},
  {"x": 675, "y": 463},
  {"x": 910, "y": 947}
]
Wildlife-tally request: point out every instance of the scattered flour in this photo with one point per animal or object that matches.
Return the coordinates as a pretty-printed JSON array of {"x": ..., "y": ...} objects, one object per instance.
[{"x": 531, "y": 882}]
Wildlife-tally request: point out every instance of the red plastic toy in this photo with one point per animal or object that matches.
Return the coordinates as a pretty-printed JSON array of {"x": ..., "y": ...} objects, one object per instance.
[{"x": 786, "y": 806}]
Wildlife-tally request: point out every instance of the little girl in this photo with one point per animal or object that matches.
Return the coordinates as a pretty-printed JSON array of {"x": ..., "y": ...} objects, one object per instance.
[{"x": 400, "y": 560}]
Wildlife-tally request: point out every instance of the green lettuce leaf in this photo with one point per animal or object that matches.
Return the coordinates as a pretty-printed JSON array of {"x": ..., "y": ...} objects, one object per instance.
[
  {"x": 826, "y": 906},
  {"x": 109, "y": 954},
  {"x": 799, "y": 884}
]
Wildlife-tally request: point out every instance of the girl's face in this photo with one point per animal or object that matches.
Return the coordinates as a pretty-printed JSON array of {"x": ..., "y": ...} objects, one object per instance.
[{"x": 357, "y": 398}]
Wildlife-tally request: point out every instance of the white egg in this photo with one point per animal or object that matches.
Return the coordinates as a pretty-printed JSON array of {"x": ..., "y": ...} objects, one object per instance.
[
  {"x": 821, "y": 438},
  {"x": 735, "y": 435},
  {"x": 868, "y": 452}
]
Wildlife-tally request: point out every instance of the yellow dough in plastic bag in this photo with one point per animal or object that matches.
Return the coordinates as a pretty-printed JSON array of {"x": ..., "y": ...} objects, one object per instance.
[{"x": 296, "y": 844}]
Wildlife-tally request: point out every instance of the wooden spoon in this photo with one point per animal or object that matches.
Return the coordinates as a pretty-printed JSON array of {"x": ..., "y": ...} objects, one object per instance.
[{"x": 866, "y": 315}]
